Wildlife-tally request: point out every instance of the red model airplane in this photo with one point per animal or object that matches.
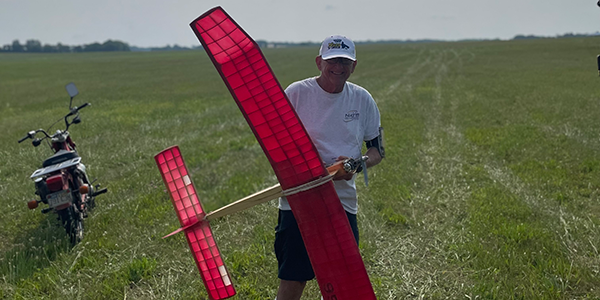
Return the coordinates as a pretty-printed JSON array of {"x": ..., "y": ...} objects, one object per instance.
[
  {"x": 305, "y": 182},
  {"x": 325, "y": 229}
]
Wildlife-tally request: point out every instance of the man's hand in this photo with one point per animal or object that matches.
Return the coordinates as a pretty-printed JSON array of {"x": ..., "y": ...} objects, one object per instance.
[{"x": 347, "y": 176}]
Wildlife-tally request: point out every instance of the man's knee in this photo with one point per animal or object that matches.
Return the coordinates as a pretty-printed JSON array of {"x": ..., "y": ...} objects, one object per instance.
[{"x": 290, "y": 290}]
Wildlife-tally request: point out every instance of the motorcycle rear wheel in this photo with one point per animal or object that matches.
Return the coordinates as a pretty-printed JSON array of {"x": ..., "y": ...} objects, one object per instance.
[{"x": 72, "y": 221}]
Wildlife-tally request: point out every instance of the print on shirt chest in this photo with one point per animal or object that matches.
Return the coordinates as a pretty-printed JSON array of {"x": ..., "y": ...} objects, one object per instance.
[{"x": 351, "y": 115}]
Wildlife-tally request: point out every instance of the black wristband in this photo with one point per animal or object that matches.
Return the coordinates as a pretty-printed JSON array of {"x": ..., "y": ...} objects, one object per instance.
[{"x": 359, "y": 169}]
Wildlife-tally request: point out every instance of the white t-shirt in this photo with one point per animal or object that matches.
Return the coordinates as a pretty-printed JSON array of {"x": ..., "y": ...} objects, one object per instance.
[{"x": 337, "y": 124}]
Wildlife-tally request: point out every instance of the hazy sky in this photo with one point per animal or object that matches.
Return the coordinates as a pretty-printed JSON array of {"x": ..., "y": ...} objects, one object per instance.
[{"x": 147, "y": 23}]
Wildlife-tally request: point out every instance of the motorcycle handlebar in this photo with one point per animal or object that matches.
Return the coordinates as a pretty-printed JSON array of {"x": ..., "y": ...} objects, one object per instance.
[
  {"x": 31, "y": 134},
  {"x": 84, "y": 105},
  {"x": 76, "y": 109}
]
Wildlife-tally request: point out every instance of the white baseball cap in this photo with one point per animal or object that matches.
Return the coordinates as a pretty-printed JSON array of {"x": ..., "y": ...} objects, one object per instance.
[{"x": 337, "y": 46}]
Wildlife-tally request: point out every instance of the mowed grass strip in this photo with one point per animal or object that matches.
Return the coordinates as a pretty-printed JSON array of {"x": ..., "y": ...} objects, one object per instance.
[
  {"x": 489, "y": 190},
  {"x": 516, "y": 254}
]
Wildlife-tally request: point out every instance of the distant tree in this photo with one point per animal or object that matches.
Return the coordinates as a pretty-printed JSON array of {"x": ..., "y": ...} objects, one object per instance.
[
  {"x": 16, "y": 46},
  {"x": 49, "y": 48},
  {"x": 92, "y": 47},
  {"x": 115, "y": 46},
  {"x": 33, "y": 46},
  {"x": 262, "y": 43},
  {"x": 175, "y": 47},
  {"x": 63, "y": 48},
  {"x": 525, "y": 37}
]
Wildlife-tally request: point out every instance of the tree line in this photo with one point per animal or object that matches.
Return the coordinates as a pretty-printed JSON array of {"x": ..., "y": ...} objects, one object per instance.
[{"x": 35, "y": 46}]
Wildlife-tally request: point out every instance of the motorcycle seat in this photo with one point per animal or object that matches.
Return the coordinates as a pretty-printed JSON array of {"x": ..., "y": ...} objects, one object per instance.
[{"x": 58, "y": 157}]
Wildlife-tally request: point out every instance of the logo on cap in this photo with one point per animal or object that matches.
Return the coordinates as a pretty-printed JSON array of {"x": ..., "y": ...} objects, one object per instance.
[{"x": 337, "y": 44}]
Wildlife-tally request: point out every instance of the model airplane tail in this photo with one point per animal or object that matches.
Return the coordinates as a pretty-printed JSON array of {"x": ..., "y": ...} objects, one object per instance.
[
  {"x": 197, "y": 230},
  {"x": 322, "y": 221}
]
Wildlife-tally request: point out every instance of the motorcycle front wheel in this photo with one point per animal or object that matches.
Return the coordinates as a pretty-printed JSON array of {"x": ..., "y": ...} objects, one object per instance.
[{"x": 72, "y": 221}]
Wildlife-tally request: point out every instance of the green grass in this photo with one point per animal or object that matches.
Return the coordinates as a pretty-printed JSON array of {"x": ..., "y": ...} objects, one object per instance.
[{"x": 489, "y": 190}]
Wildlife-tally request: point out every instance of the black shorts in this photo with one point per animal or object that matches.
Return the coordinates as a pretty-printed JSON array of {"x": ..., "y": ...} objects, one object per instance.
[{"x": 292, "y": 258}]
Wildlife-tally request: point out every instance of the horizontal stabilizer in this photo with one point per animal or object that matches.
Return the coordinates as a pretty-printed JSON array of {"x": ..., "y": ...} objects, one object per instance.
[{"x": 197, "y": 230}]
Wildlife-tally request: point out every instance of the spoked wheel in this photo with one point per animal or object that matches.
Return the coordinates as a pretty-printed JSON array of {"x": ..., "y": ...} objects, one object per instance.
[{"x": 72, "y": 221}]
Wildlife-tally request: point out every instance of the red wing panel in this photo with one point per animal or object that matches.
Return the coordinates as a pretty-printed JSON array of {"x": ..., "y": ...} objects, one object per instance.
[
  {"x": 260, "y": 97},
  {"x": 330, "y": 244},
  {"x": 325, "y": 230},
  {"x": 198, "y": 233}
]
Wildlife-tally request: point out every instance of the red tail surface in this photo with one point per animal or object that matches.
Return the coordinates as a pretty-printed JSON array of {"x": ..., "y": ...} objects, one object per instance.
[
  {"x": 325, "y": 229},
  {"x": 197, "y": 231}
]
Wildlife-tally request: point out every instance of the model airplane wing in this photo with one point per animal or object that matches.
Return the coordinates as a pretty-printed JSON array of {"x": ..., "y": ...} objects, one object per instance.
[
  {"x": 325, "y": 229},
  {"x": 197, "y": 230}
]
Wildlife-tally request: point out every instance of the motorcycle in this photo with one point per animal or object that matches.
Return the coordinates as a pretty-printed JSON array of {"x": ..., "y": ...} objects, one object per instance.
[{"x": 62, "y": 183}]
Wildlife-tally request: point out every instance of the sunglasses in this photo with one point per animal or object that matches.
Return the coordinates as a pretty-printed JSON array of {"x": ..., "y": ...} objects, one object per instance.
[{"x": 339, "y": 60}]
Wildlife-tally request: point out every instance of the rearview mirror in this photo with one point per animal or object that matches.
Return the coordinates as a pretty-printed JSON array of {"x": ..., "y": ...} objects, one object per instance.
[{"x": 72, "y": 90}]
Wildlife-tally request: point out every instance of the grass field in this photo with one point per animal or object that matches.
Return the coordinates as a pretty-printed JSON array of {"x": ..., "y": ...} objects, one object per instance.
[{"x": 489, "y": 190}]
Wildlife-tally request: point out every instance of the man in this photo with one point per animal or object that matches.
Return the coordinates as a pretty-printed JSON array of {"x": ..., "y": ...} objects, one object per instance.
[{"x": 338, "y": 116}]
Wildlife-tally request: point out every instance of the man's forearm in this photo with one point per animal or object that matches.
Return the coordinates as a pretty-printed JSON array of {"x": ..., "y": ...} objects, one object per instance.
[{"x": 374, "y": 157}]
